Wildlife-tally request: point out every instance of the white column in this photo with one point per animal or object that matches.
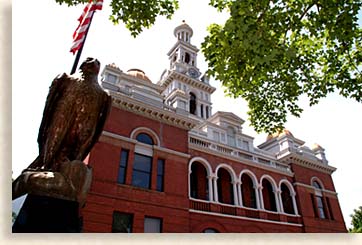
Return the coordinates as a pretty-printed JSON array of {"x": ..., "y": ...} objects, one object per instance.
[
  {"x": 235, "y": 192},
  {"x": 216, "y": 199},
  {"x": 278, "y": 199},
  {"x": 189, "y": 184},
  {"x": 294, "y": 204},
  {"x": 211, "y": 189},
  {"x": 201, "y": 109},
  {"x": 261, "y": 199},
  {"x": 239, "y": 194},
  {"x": 198, "y": 108}
]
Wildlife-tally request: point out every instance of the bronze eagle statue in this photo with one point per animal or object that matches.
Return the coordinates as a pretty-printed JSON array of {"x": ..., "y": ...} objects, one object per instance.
[{"x": 73, "y": 119}]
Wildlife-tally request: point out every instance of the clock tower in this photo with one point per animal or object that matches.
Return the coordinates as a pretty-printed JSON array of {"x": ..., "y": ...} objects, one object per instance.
[{"x": 185, "y": 89}]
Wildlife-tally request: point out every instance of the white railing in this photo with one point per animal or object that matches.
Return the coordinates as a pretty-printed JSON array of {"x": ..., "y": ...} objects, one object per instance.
[{"x": 217, "y": 147}]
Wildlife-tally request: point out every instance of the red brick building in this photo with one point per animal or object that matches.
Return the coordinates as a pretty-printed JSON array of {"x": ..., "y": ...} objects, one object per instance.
[{"x": 166, "y": 163}]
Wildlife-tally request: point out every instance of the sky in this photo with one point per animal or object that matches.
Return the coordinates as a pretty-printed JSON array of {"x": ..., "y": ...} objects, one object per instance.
[{"x": 41, "y": 40}]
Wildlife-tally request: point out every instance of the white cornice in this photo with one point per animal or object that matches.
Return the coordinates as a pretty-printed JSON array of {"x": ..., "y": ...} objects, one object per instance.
[
  {"x": 313, "y": 188},
  {"x": 186, "y": 79},
  {"x": 133, "y": 141},
  {"x": 189, "y": 46},
  {"x": 147, "y": 110},
  {"x": 308, "y": 163}
]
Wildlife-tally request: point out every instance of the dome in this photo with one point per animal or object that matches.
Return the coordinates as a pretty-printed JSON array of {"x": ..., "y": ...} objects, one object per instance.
[
  {"x": 316, "y": 147},
  {"x": 183, "y": 28},
  {"x": 278, "y": 134},
  {"x": 138, "y": 74}
]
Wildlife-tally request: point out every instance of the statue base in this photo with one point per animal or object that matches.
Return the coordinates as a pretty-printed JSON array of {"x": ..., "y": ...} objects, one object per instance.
[
  {"x": 72, "y": 182},
  {"x": 54, "y": 198},
  {"x": 42, "y": 214}
]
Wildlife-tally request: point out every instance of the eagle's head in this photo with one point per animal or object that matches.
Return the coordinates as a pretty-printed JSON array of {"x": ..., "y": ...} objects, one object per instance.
[{"x": 90, "y": 66}]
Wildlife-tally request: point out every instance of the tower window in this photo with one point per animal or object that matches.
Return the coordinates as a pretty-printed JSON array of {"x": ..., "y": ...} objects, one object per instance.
[
  {"x": 187, "y": 58},
  {"x": 192, "y": 103}
]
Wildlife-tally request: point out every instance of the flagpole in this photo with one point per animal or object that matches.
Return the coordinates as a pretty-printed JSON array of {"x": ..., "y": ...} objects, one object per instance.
[{"x": 79, "y": 52}]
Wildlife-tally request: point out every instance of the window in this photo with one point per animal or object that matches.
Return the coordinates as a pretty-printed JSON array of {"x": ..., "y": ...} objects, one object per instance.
[
  {"x": 210, "y": 230},
  {"x": 111, "y": 78},
  {"x": 248, "y": 191},
  {"x": 223, "y": 137},
  {"x": 329, "y": 208},
  {"x": 152, "y": 225},
  {"x": 224, "y": 187},
  {"x": 122, "y": 222},
  {"x": 246, "y": 145},
  {"x": 287, "y": 199},
  {"x": 268, "y": 196},
  {"x": 317, "y": 185},
  {"x": 207, "y": 112},
  {"x": 192, "y": 103},
  {"x": 182, "y": 104},
  {"x": 216, "y": 136},
  {"x": 199, "y": 187},
  {"x": 144, "y": 138},
  {"x": 319, "y": 206},
  {"x": 231, "y": 136},
  {"x": 160, "y": 174},
  {"x": 202, "y": 110},
  {"x": 141, "y": 176},
  {"x": 122, "y": 167},
  {"x": 187, "y": 58}
]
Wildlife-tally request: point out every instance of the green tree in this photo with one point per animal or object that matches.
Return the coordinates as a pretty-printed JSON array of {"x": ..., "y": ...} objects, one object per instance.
[
  {"x": 270, "y": 52},
  {"x": 135, "y": 14},
  {"x": 356, "y": 221}
]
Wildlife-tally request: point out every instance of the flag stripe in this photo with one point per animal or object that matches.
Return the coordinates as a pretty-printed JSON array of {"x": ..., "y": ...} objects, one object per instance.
[{"x": 84, "y": 22}]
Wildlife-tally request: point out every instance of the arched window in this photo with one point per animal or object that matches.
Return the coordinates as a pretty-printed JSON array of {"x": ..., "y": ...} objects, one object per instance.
[
  {"x": 192, "y": 103},
  {"x": 199, "y": 182},
  {"x": 319, "y": 206},
  {"x": 231, "y": 136},
  {"x": 248, "y": 191},
  {"x": 317, "y": 185},
  {"x": 224, "y": 187},
  {"x": 144, "y": 138},
  {"x": 287, "y": 199},
  {"x": 269, "y": 196}
]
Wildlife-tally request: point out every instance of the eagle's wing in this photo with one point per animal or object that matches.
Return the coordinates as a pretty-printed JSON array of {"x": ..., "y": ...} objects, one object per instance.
[
  {"x": 103, "y": 114},
  {"x": 56, "y": 91}
]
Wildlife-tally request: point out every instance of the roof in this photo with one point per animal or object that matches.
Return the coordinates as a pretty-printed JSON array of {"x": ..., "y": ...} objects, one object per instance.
[
  {"x": 138, "y": 74},
  {"x": 280, "y": 133},
  {"x": 183, "y": 26}
]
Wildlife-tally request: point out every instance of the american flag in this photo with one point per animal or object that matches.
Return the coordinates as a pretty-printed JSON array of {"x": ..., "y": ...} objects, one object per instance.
[{"x": 84, "y": 22}]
